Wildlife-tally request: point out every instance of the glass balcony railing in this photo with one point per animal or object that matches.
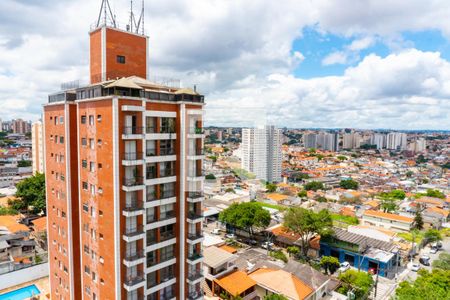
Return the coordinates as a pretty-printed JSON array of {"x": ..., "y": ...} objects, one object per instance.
[
  {"x": 135, "y": 255},
  {"x": 195, "y": 195},
  {"x": 134, "y": 279},
  {"x": 134, "y": 205},
  {"x": 134, "y": 231},
  {"x": 167, "y": 194},
  {"x": 132, "y": 155},
  {"x": 133, "y": 181},
  {"x": 194, "y": 275},
  {"x": 192, "y": 215},
  {"x": 170, "y": 151},
  {"x": 194, "y": 236},
  {"x": 194, "y": 255},
  {"x": 150, "y": 152},
  {"x": 166, "y": 236},
  {"x": 132, "y": 130},
  {"x": 166, "y": 172}
]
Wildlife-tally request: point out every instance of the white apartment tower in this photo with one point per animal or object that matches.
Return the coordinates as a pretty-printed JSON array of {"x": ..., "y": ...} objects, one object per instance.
[
  {"x": 37, "y": 146},
  {"x": 261, "y": 152},
  {"x": 396, "y": 141}
]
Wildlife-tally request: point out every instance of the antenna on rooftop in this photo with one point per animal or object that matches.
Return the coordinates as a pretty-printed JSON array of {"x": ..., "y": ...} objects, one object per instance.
[
  {"x": 139, "y": 24},
  {"x": 106, "y": 15}
]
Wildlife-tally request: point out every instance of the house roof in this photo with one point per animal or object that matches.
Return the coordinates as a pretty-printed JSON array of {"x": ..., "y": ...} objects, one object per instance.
[
  {"x": 281, "y": 282},
  {"x": 361, "y": 240},
  {"x": 124, "y": 83},
  {"x": 40, "y": 224},
  {"x": 228, "y": 249},
  {"x": 11, "y": 222},
  {"x": 215, "y": 257},
  {"x": 306, "y": 273},
  {"x": 236, "y": 283},
  {"x": 383, "y": 215},
  {"x": 439, "y": 211},
  {"x": 276, "y": 197},
  {"x": 430, "y": 200}
]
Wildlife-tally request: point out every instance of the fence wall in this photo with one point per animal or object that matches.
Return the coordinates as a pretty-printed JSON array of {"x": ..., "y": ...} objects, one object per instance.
[{"x": 23, "y": 275}]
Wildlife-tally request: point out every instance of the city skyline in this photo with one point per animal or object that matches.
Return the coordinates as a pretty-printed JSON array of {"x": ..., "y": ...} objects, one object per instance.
[{"x": 312, "y": 65}]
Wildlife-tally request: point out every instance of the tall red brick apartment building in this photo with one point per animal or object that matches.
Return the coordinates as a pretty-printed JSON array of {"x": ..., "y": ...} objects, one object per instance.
[{"x": 123, "y": 161}]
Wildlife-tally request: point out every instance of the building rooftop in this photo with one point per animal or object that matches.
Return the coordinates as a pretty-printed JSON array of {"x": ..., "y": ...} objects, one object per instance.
[
  {"x": 12, "y": 224},
  {"x": 236, "y": 283},
  {"x": 384, "y": 215},
  {"x": 215, "y": 257}
]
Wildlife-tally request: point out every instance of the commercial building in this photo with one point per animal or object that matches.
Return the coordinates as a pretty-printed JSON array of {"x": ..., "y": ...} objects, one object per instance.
[
  {"x": 124, "y": 180},
  {"x": 37, "y": 147},
  {"x": 261, "y": 152}
]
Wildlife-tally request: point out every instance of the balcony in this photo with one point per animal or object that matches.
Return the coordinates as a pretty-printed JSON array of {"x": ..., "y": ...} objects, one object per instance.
[
  {"x": 167, "y": 172},
  {"x": 133, "y": 282},
  {"x": 194, "y": 217},
  {"x": 196, "y": 154},
  {"x": 194, "y": 257},
  {"x": 194, "y": 277},
  {"x": 164, "y": 155},
  {"x": 134, "y": 233},
  {"x": 131, "y": 184},
  {"x": 194, "y": 197},
  {"x": 196, "y": 132},
  {"x": 132, "y": 132},
  {"x": 166, "y": 236},
  {"x": 132, "y": 158},
  {"x": 194, "y": 238},
  {"x": 196, "y": 295},
  {"x": 169, "y": 151},
  {"x": 135, "y": 258},
  {"x": 133, "y": 208}
]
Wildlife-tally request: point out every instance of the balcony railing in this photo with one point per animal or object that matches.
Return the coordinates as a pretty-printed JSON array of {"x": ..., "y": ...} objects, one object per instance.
[
  {"x": 132, "y": 155},
  {"x": 167, "y": 215},
  {"x": 195, "y": 195},
  {"x": 168, "y": 194},
  {"x": 194, "y": 236},
  {"x": 133, "y": 130},
  {"x": 134, "y": 231},
  {"x": 135, "y": 256},
  {"x": 168, "y": 129},
  {"x": 150, "y": 129},
  {"x": 134, "y": 205},
  {"x": 167, "y": 277},
  {"x": 150, "y": 152},
  {"x": 192, "y": 215},
  {"x": 196, "y": 130},
  {"x": 133, "y": 181},
  {"x": 167, "y": 296},
  {"x": 198, "y": 151},
  {"x": 131, "y": 280},
  {"x": 166, "y": 236},
  {"x": 151, "y": 196},
  {"x": 167, "y": 172},
  {"x": 165, "y": 258},
  {"x": 194, "y": 275},
  {"x": 150, "y": 174},
  {"x": 195, "y": 295},
  {"x": 194, "y": 255},
  {"x": 170, "y": 151}
]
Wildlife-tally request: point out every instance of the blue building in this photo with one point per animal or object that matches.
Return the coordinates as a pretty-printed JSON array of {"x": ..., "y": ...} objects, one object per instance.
[{"x": 366, "y": 254}]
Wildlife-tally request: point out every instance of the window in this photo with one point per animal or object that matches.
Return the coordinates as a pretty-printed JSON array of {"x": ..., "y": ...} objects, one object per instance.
[
  {"x": 91, "y": 120},
  {"x": 84, "y": 185},
  {"x": 85, "y": 207},
  {"x": 61, "y": 120},
  {"x": 92, "y": 143},
  {"x": 100, "y": 166},
  {"x": 99, "y": 142},
  {"x": 120, "y": 59},
  {"x": 87, "y": 270},
  {"x": 86, "y": 249},
  {"x": 92, "y": 190},
  {"x": 83, "y": 119},
  {"x": 84, "y": 163},
  {"x": 99, "y": 118},
  {"x": 83, "y": 142},
  {"x": 92, "y": 166},
  {"x": 61, "y": 140}
]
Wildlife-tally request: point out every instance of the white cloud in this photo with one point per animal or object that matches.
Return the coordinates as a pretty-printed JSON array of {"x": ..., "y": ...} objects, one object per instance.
[
  {"x": 338, "y": 57},
  {"x": 239, "y": 53}
]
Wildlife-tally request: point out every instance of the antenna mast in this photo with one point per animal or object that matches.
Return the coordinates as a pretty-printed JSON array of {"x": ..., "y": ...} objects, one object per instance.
[
  {"x": 139, "y": 25},
  {"x": 105, "y": 10}
]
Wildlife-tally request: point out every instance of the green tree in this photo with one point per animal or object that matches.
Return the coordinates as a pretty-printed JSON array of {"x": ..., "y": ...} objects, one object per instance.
[
  {"x": 307, "y": 223},
  {"x": 409, "y": 173},
  {"x": 349, "y": 184},
  {"x": 275, "y": 297},
  {"x": 293, "y": 250},
  {"x": 394, "y": 194},
  {"x": 314, "y": 186},
  {"x": 246, "y": 216},
  {"x": 230, "y": 190},
  {"x": 443, "y": 262},
  {"x": 312, "y": 150},
  {"x": 24, "y": 163},
  {"x": 210, "y": 176},
  {"x": 31, "y": 192},
  {"x": 428, "y": 285},
  {"x": 271, "y": 187},
  {"x": 342, "y": 157},
  {"x": 302, "y": 194},
  {"x": 418, "y": 220},
  {"x": 389, "y": 204},
  {"x": 432, "y": 235},
  {"x": 330, "y": 264},
  {"x": 357, "y": 281},
  {"x": 435, "y": 193}
]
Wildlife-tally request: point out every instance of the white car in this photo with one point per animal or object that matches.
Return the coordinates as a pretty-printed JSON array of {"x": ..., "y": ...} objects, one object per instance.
[
  {"x": 415, "y": 267},
  {"x": 344, "y": 267},
  {"x": 267, "y": 245},
  {"x": 433, "y": 250},
  {"x": 230, "y": 236}
]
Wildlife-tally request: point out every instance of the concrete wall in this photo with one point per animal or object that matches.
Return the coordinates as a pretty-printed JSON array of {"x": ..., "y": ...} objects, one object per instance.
[{"x": 24, "y": 275}]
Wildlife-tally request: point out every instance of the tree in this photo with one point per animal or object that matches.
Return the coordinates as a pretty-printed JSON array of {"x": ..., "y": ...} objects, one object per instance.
[
  {"x": 418, "y": 220},
  {"x": 435, "y": 193},
  {"x": 293, "y": 250},
  {"x": 307, "y": 223},
  {"x": 341, "y": 157},
  {"x": 389, "y": 204},
  {"x": 31, "y": 193},
  {"x": 230, "y": 190},
  {"x": 432, "y": 235},
  {"x": 302, "y": 194},
  {"x": 349, "y": 184},
  {"x": 357, "y": 281},
  {"x": 275, "y": 297},
  {"x": 409, "y": 173},
  {"x": 271, "y": 187},
  {"x": 246, "y": 216},
  {"x": 24, "y": 163},
  {"x": 330, "y": 264},
  {"x": 428, "y": 285},
  {"x": 314, "y": 186},
  {"x": 443, "y": 262}
]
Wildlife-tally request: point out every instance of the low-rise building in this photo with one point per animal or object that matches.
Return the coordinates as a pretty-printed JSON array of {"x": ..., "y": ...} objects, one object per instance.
[{"x": 387, "y": 220}]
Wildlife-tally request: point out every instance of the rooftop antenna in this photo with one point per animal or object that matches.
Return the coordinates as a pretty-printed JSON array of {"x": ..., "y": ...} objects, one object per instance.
[
  {"x": 139, "y": 25},
  {"x": 105, "y": 13}
]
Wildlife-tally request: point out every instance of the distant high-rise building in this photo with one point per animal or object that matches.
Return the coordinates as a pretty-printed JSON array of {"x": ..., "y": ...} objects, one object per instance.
[
  {"x": 351, "y": 140},
  {"x": 261, "y": 152},
  {"x": 418, "y": 145},
  {"x": 379, "y": 140},
  {"x": 328, "y": 141},
  {"x": 396, "y": 141},
  {"x": 1, "y": 125},
  {"x": 124, "y": 180},
  {"x": 310, "y": 140},
  {"x": 37, "y": 147},
  {"x": 20, "y": 126}
]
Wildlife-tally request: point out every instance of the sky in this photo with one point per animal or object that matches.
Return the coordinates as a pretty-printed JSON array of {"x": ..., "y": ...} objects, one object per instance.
[{"x": 295, "y": 63}]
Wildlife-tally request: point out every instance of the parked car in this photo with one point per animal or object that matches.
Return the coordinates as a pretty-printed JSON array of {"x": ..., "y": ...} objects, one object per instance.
[
  {"x": 424, "y": 260},
  {"x": 344, "y": 267},
  {"x": 230, "y": 236},
  {"x": 437, "y": 245},
  {"x": 267, "y": 245},
  {"x": 251, "y": 242},
  {"x": 216, "y": 231},
  {"x": 434, "y": 250},
  {"x": 415, "y": 267}
]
